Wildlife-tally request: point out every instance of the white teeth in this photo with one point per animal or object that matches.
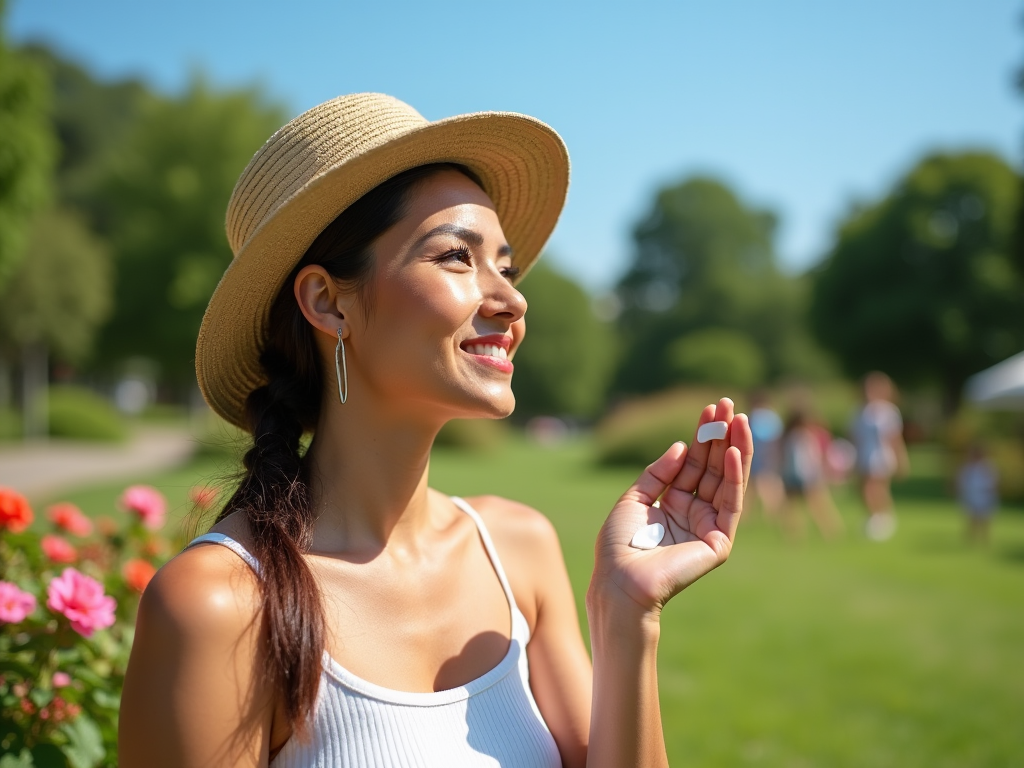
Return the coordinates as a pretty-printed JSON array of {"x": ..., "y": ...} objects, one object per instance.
[{"x": 490, "y": 350}]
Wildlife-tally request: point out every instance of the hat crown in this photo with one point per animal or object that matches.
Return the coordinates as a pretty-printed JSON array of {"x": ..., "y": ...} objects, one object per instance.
[{"x": 308, "y": 146}]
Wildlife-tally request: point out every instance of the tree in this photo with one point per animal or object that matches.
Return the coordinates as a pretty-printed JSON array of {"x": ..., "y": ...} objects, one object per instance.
[
  {"x": 703, "y": 260},
  {"x": 922, "y": 284},
  {"x": 162, "y": 199},
  {"x": 27, "y": 151},
  {"x": 563, "y": 366},
  {"x": 52, "y": 305}
]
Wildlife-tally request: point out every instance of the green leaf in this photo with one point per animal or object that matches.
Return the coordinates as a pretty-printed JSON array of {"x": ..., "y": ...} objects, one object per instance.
[
  {"x": 48, "y": 756},
  {"x": 85, "y": 743},
  {"x": 24, "y": 760},
  {"x": 106, "y": 699}
]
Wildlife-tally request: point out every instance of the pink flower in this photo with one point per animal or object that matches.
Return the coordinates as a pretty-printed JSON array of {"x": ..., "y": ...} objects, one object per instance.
[
  {"x": 61, "y": 679},
  {"x": 69, "y": 517},
  {"x": 57, "y": 549},
  {"x": 81, "y": 600},
  {"x": 15, "y": 605},
  {"x": 146, "y": 502}
]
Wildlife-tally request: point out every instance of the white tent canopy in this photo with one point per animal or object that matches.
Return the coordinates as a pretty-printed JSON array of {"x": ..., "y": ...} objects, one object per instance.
[{"x": 1001, "y": 386}]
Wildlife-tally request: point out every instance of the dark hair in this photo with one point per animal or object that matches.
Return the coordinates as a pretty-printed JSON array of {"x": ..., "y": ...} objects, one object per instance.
[{"x": 274, "y": 490}]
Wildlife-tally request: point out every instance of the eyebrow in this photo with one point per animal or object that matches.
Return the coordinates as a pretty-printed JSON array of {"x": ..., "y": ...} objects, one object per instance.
[{"x": 470, "y": 236}]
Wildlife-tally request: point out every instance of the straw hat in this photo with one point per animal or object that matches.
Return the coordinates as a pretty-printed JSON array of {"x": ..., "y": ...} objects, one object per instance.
[{"x": 323, "y": 161}]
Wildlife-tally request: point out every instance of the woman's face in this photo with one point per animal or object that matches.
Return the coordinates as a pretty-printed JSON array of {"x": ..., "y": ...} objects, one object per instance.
[{"x": 445, "y": 318}]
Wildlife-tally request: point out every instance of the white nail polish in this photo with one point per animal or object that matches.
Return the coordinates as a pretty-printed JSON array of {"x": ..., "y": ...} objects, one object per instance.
[
  {"x": 713, "y": 430},
  {"x": 648, "y": 537}
]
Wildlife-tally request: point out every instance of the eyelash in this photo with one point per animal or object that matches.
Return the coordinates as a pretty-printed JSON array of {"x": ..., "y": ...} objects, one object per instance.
[{"x": 463, "y": 255}]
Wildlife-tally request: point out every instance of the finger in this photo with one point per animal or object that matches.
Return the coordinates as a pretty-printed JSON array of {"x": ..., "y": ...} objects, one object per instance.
[
  {"x": 656, "y": 477},
  {"x": 732, "y": 493},
  {"x": 740, "y": 436},
  {"x": 712, "y": 476},
  {"x": 696, "y": 457}
]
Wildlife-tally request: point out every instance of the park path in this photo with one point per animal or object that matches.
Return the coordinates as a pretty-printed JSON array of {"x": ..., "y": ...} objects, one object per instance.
[{"x": 41, "y": 470}]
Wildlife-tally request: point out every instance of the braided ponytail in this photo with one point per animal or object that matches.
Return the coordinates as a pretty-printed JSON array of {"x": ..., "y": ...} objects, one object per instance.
[{"x": 274, "y": 492}]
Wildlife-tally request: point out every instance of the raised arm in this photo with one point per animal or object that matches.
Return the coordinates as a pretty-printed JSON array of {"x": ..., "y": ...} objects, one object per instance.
[
  {"x": 701, "y": 498},
  {"x": 190, "y": 698}
]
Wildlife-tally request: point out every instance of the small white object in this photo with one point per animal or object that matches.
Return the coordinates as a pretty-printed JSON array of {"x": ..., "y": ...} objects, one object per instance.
[
  {"x": 713, "y": 430},
  {"x": 648, "y": 537}
]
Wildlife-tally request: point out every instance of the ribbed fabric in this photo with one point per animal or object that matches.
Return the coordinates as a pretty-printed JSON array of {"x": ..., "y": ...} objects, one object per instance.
[{"x": 491, "y": 721}]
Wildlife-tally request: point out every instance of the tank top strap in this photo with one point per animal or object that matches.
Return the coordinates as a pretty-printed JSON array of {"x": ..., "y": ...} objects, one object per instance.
[
  {"x": 492, "y": 553},
  {"x": 232, "y": 544}
]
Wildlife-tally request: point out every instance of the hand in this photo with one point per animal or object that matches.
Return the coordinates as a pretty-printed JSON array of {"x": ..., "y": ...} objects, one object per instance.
[{"x": 701, "y": 498}]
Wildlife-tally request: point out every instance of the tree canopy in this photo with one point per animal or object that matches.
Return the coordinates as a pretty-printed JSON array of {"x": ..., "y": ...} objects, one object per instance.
[
  {"x": 923, "y": 284},
  {"x": 563, "y": 366},
  {"x": 162, "y": 200},
  {"x": 27, "y": 150},
  {"x": 704, "y": 267}
]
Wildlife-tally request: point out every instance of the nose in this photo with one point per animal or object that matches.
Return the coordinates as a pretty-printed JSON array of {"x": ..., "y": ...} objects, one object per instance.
[{"x": 501, "y": 299}]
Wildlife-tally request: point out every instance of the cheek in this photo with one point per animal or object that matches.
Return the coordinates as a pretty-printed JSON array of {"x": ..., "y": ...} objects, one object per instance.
[{"x": 424, "y": 311}]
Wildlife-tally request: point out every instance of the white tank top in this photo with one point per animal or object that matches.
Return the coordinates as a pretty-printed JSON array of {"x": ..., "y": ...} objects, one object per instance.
[{"x": 491, "y": 721}]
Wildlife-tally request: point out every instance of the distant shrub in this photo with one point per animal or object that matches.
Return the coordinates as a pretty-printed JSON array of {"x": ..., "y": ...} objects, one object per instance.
[
  {"x": 717, "y": 356},
  {"x": 639, "y": 431},
  {"x": 10, "y": 424},
  {"x": 472, "y": 434},
  {"x": 81, "y": 414}
]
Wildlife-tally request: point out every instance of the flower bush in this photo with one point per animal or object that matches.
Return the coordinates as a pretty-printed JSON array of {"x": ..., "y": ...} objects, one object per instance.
[{"x": 68, "y": 600}]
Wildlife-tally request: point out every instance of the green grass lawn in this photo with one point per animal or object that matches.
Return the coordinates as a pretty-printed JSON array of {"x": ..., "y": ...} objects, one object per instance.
[{"x": 909, "y": 653}]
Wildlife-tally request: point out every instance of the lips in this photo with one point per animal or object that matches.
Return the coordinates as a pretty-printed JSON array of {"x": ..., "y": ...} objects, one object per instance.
[{"x": 490, "y": 350}]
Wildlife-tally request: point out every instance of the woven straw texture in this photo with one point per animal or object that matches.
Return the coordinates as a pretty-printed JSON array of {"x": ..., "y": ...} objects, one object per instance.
[{"x": 323, "y": 161}]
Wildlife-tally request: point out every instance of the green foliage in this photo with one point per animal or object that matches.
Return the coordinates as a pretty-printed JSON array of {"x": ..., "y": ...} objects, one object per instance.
[
  {"x": 717, "y": 356},
  {"x": 639, "y": 431},
  {"x": 92, "y": 120},
  {"x": 704, "y": 260},
  {"x": 80, "y": 414},
  {"x": 922, "y": 284},
  {"x": 1000, "y": 434},
  {"x": 472, "y": 434},
  {"x": 163, "y": 197},
  {"x": 61, "y": 292},
  {"x": 564, "y": 364},
  {"x": 27, "y": 151}
]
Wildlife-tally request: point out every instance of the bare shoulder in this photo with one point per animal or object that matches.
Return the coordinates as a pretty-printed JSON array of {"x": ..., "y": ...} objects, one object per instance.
[
  {"x": 206, "y": 591},
  {"x": 517, "y": 525}
]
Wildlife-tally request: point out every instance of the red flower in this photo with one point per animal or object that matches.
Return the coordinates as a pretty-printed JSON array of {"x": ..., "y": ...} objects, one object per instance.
[
  {"x": 69, "y": 517},
  {"x": 137, "y": 573},
  {"x": 57, "y": 549},
  {"x": 15, "y": 513},
  {"x": 203, "y": 496}
]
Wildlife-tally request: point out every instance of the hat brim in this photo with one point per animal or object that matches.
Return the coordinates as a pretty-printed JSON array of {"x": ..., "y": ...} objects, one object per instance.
[{"x": 522, "y": 163}]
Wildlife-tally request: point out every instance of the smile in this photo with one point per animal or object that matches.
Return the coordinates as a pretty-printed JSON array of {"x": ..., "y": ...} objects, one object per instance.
[{"x": 490, "y": 350}]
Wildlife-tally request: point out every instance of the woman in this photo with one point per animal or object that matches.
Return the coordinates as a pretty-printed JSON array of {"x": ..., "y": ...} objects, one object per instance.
[{"x": 363, "y": 618}]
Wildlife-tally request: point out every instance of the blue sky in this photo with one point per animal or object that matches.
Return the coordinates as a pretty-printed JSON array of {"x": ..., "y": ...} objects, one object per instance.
[{"x": 801, "y": 106}]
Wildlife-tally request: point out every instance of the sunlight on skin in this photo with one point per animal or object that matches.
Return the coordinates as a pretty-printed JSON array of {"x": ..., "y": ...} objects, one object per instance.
[{"x": 701, "y": 499}]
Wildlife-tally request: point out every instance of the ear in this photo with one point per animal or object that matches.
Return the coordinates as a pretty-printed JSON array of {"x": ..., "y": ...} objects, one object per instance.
[{"x": 325, "y": 307}]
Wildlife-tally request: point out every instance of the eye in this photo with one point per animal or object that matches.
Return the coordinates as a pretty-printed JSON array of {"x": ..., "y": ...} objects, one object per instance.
[
  {"x": 456, "y": 254},
  {"x": 510, "y": 273}
]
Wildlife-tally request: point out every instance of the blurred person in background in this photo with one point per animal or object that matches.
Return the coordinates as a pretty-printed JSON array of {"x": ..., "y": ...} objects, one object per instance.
[
  {"x": 977, "y": 488},
  {"x": 804, "y": 477},
  {"x": 766, "y": 427},
  {"x": 881, "y": 453}
]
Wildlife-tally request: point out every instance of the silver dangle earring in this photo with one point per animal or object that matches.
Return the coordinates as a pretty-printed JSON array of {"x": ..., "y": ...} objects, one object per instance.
[{"x": 341, "y": 369}]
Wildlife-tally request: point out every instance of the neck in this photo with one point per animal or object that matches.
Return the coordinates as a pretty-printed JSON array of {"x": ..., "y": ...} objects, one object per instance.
[{"x": 368, "y": 478}]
